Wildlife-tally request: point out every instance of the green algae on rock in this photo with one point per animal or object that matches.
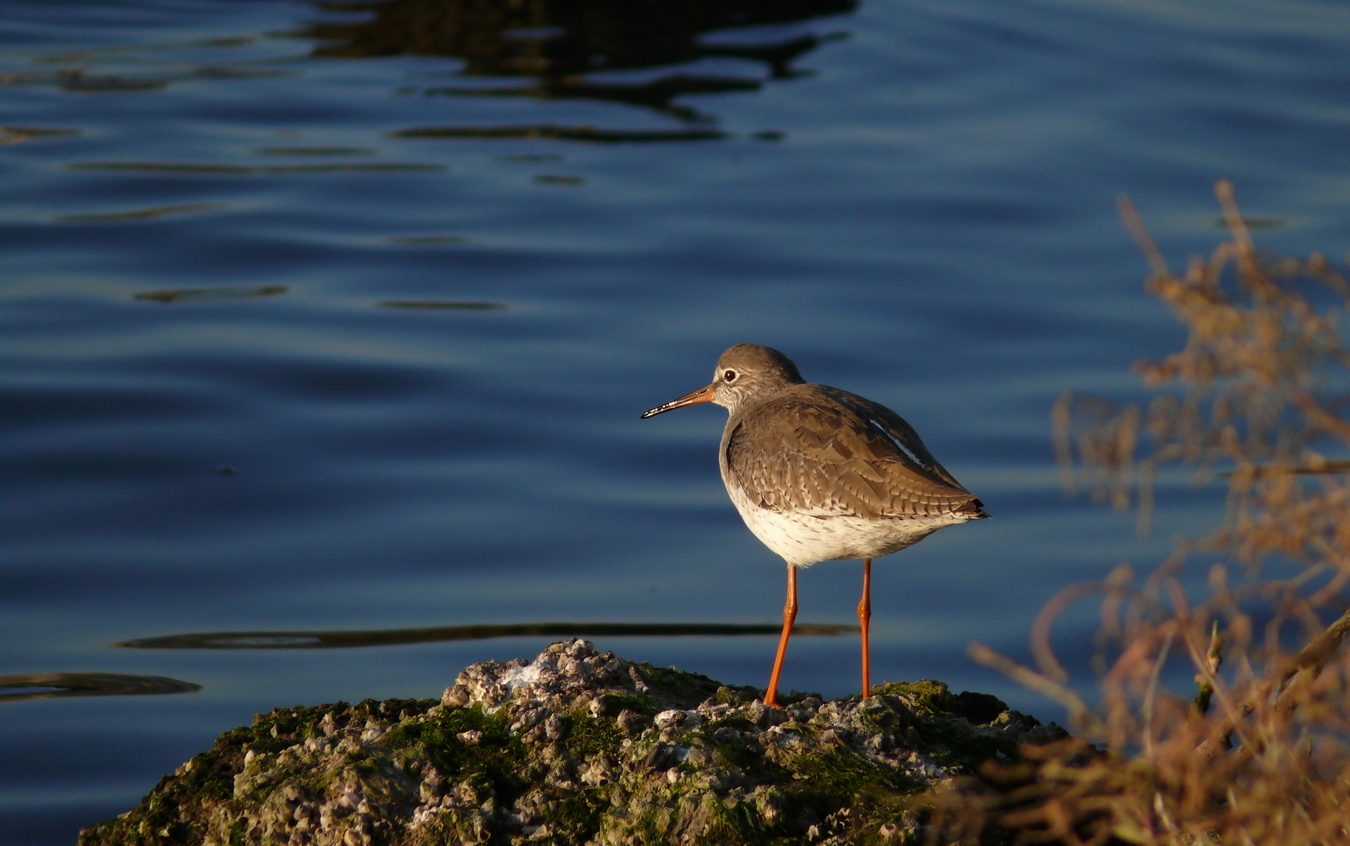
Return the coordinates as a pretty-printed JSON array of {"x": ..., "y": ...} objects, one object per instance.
[{"x": 578, "y": 747}]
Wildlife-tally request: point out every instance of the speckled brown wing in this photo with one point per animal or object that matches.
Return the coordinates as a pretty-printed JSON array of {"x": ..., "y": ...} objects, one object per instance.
[{"x": 822, "y": 451}]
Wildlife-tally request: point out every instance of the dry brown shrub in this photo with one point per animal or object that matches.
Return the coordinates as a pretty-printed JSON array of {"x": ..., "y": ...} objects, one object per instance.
[{"x": 1261, "y": 754}]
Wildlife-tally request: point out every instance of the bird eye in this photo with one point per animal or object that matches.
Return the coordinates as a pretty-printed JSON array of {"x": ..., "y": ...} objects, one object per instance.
[{"x": 729, "y": 376}]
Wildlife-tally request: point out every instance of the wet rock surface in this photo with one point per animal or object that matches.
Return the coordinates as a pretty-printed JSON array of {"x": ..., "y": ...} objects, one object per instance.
[{"x": 579, "y": 746}]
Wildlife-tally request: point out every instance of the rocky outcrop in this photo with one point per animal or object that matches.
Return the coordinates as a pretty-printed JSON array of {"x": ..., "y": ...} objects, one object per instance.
[{"x": 579, "y": 746}]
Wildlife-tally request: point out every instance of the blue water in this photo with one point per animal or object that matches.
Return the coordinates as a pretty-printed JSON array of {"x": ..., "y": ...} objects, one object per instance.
[{"x": 225, "y": 405}]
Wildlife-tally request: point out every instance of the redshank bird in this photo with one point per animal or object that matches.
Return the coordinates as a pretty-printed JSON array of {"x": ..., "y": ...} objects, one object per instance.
[{"x": 820, "y": 474}]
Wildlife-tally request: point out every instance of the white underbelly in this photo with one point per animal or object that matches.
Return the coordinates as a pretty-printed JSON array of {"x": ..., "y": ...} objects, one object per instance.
[{"x": 804, "y": 539}]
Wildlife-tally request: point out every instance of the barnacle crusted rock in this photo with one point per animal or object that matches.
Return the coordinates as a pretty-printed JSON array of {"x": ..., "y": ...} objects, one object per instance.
[{"x": 578, "y": 746}]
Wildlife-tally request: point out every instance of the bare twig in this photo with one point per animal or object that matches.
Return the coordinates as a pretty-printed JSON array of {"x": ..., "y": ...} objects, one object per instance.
[{"x": 1260, "y": 752}]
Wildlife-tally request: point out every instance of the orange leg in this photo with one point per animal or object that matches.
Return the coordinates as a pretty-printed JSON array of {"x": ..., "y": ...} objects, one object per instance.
[
  {"x": 864, "y": 618},
  {"x": 789, "y": 617}
]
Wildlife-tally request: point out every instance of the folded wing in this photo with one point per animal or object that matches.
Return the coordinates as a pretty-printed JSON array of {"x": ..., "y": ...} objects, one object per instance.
[{"x": 846, "y": 456}]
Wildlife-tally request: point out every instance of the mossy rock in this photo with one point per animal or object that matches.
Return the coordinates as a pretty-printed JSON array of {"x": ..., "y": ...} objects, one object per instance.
[{"x": 577, "y": 747}]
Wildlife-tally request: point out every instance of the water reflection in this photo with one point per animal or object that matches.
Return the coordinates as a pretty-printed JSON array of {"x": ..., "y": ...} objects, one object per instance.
[
  {"x": 443, "y": 305},
  {"x": 139, "y": 214},
  {"x": 558, "y": 179},
  {"x": 394, "y": 637},
  {"x": 556, "y": 43},
  {"x": 211, "y": 169},
  {"x": 430, "y": 240},
  {"x": 1253, "y": 223},
  {"x": 238, "y": 292},
  {"x": 16, "y": 134},
  {"x": 53, "y": 685},
  {"x": 316, "y": 151},
  {"x": 566, "y": 133},
  {"x": 655, "y": 94},
  {"x": 80, "y": 80}
]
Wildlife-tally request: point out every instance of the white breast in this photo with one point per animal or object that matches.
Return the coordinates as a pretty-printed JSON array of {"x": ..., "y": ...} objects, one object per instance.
[{"x": 805, "y": 539}]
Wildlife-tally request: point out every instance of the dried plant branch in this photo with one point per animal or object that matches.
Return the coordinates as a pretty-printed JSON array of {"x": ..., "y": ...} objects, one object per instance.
[
  {"x": 1204, "y": 680},
  {"x": 1135, "y": 224},
  {"x": 1047, "y": 687},
  {"x": 1260, "y": 753}
]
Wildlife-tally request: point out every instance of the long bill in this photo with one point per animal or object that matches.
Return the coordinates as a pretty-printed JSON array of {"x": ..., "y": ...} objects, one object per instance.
[{"x": 701, "y": 395}]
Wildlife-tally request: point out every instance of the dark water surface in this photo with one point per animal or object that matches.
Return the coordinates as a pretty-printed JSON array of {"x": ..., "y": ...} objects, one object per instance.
[{"x": 317, "y": 323}]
